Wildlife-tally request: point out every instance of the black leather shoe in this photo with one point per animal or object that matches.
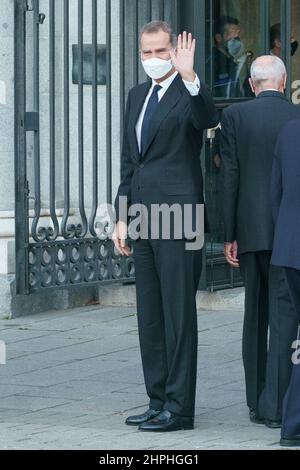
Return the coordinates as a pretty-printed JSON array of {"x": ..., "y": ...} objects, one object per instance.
[
  {"x": 140, "y": 419},
  {"x": 167, "y": 421},
  {"x": 293, "y": 441},
  {"x": 255, "y": 418},
  {"x": 272, "y": 423}
]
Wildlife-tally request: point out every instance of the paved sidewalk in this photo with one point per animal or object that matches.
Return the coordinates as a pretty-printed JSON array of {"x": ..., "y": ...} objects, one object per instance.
[{"x": 72, "y": 377}]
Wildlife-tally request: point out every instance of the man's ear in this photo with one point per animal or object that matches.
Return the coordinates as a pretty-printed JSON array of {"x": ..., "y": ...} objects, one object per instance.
[
  {"x": 252, "y": 85},
  {"x": 218, "y": 38}
]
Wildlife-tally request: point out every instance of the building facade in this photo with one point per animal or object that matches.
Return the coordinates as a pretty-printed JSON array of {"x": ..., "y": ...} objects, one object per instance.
[{"x": 65, "y": 70}]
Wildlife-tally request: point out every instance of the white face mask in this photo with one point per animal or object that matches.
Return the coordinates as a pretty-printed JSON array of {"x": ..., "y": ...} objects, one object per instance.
[{"x": 157, "y": 68}]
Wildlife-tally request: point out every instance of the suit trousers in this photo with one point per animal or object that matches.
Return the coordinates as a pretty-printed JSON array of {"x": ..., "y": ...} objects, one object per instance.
[
  {"x": 267, "y": 305},
  {"x": 167, "y": 278},
  {"x": 283, "y": 327},
  {"x": 291, "y": 404}
]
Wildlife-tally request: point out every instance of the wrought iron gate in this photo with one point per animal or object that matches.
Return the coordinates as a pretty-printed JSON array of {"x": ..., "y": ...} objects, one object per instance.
[{"x": 67, "y": 133}]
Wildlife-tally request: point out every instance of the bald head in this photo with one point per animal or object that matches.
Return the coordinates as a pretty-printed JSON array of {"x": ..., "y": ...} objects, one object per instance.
[{"x": 268, "y": 72}]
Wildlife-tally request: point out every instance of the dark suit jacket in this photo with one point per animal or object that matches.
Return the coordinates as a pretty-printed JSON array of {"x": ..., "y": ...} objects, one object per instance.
[
  {"x": 248, "y": 138},
  {"x": 285, "y": 196},
  {"x": 170, "y": 169},
  {"x": 224, "y": 69}
]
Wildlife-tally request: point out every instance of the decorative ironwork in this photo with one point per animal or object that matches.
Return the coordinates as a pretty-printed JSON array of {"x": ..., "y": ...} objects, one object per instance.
[
  {"x": 82, "y": 261},
  {"x": 63, "y": 243}
]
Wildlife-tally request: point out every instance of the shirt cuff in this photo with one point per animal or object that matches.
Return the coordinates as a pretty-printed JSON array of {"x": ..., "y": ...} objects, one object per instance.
[{"x": 193, "y": 87}]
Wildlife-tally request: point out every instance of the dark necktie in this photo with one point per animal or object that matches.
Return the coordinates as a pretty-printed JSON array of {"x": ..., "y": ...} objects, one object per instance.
[{"x": 151, "y": 107}]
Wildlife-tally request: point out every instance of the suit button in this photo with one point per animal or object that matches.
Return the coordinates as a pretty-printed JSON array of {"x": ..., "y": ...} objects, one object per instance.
[{"x": 142, "y": 165}]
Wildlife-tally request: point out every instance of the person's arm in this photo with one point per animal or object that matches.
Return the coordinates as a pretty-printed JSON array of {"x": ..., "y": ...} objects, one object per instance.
[
  {"x": 276, "y": 187},
  {"x": 231, "y": 176},
  {"x": 202, "y": 109},
  {"x": 204, "y": 114},
  {"x": 127, "y": 168}
]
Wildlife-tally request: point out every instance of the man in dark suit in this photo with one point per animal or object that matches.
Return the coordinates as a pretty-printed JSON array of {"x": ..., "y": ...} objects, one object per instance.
[
  {"x": 160, "y": 164},
  {"x": 249, "y": 134},
  {"x": 285, "y": 195}
]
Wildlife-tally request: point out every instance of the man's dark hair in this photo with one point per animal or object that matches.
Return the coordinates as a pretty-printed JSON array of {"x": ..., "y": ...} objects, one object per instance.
[
  {"x": 156, "y": 26},
  {"x": 223, "y": 21},
  {"x": 275, "y": 34}
]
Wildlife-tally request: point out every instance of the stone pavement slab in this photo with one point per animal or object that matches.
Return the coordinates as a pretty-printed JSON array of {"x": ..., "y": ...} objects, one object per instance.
[{"x": 72, "y": 377}]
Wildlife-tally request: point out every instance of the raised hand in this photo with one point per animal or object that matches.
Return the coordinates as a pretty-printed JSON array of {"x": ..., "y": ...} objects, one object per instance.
[{"x": 184, "y": 57}]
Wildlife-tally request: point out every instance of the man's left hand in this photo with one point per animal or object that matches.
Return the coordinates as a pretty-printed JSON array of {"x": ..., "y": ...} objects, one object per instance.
[
  {"x": 184, "y": 57},
  {"x": 231, "y": 254}
]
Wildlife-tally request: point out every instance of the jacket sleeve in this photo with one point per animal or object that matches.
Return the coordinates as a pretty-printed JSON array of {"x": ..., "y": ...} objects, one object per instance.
[
  {"x": 127, "y": 169},
  {"x": 231, "y": 176},
  {"x": 276, "y": 188},
  {"x": 204, "y": 114}
]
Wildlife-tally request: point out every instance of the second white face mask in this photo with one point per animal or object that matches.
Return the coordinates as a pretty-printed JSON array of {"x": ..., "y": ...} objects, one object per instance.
[{"x": 157, "y": 68}]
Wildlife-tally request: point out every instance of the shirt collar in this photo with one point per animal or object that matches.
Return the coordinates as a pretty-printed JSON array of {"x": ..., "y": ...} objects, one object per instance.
[
  {"x": 271, "y": 93},
  {"x": 272, "y": 89},
  {"x": 166, "y": 83}
]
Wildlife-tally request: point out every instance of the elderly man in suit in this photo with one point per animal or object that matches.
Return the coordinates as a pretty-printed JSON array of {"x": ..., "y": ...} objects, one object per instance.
[
  {"x": 249, "y": 134},
  {"x": 160, "y": 164},
  {"x": 285, "y": 195}
]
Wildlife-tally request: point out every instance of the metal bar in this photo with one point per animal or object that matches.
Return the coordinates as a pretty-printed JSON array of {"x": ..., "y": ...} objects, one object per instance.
[
  {"x": 122, "y": 66},
  {"x": 199, "y": 23},
  {"x": 81, "y": 232},
  {"x": 175, "y": 15},
  {"x": 122, "y": 72},
  {"x": 283, "y": 28},
  {"x": 211, "y": 191},
  {"x": 108, "y": 105},
  {"x": 64, "y": 224},
  {"x": 286, "y": 32},
  {"x": 52, "y": 233},
  {"x": 69, "y": 242},
  {"x": 36, "y": 148},
  {"x": 21, "y": 190},
  {"x": 135, "y": 43},
  {"x": 94, "y": 119},
  {"x": 265, "y": 26},
  {"x": 161, "y": 10},
  {"x": 149, "y": 10},
  {"x": 211, "y": 35}
]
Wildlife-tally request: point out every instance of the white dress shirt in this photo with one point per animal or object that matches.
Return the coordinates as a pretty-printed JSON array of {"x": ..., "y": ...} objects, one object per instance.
[{"x": 192, "y": 87}]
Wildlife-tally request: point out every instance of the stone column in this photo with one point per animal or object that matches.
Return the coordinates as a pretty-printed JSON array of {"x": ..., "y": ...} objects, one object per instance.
[{"x": 6, "y": 153}]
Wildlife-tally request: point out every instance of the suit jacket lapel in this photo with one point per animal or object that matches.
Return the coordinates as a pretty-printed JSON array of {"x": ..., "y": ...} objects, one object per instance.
[
  {"x": 166, "y": 104},
  {"x": 138, "y": 103}
]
